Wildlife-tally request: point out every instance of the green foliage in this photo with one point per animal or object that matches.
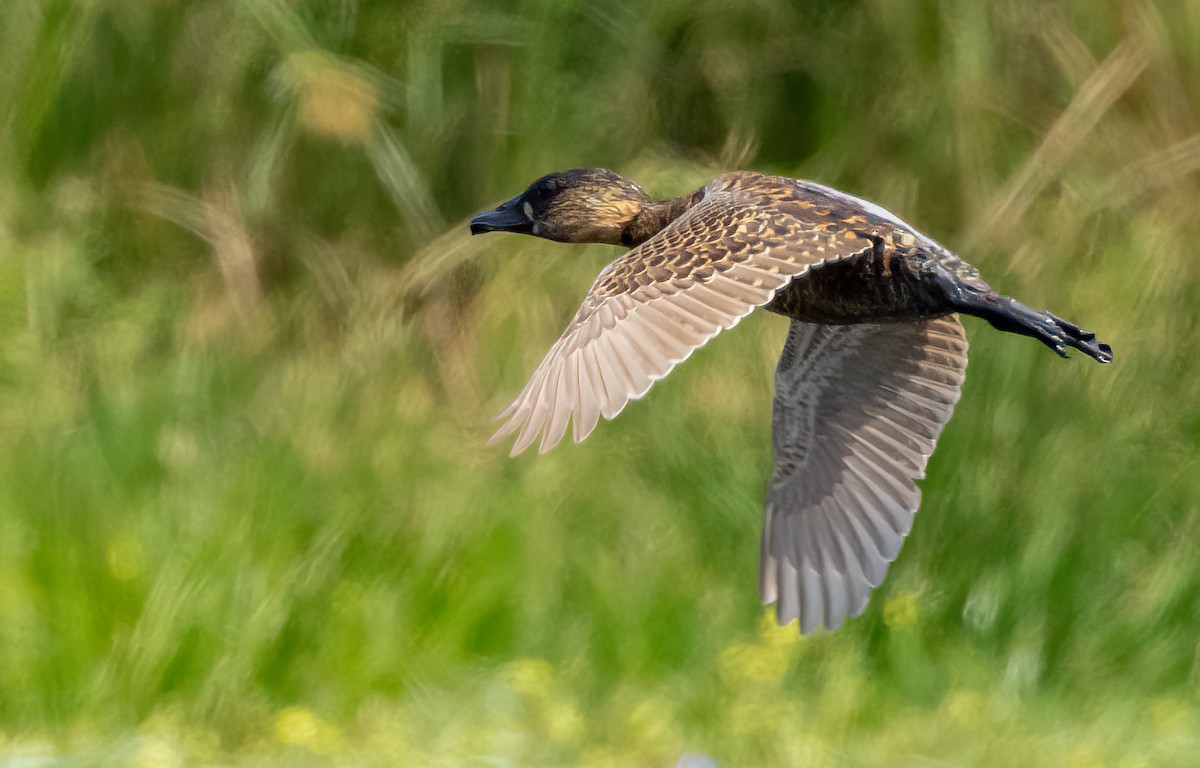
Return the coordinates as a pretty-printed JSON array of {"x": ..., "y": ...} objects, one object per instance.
[{"x": 250, "y": 360}]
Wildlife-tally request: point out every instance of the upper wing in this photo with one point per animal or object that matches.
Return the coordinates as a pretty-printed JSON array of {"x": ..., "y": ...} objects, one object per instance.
[
  {"x": 858, "y": 409},
  {"x": 656, "y": 304}
]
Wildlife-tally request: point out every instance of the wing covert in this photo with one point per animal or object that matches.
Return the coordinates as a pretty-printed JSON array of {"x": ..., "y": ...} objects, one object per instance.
[{"x": 651, "y": 308}]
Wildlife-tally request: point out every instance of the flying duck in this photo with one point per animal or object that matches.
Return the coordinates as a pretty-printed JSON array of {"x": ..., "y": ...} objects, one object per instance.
[{"x": 872, "y": 367}]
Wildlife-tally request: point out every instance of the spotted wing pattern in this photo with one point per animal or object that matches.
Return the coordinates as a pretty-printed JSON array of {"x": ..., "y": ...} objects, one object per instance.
[
  {"x": 747, "y": 238},
  {"x": 858, "y": 410}
]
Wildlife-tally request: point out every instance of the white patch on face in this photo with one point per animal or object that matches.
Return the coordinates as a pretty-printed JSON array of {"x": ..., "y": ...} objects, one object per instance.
[
  {"x": 528, "y": 210},
  {"x": 535, "y": 226}
]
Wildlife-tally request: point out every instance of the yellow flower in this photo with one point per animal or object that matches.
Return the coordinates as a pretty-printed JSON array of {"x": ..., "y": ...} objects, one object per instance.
[
  {"x": 156, "y": 753},
  {"x": 900, "y": 610},
  {"x": 125, "y": 560},
  {"x": 603, "y": 757},
  {"x": 774, "y": 636},
  {"x": 965, "y": 708},
  {"x": 302, "y": 728},
  {"x": 563, "y": 721},
  {"x": 1087, "y": 754},
  {"x": 742, "y": 662},
  {"x": 1170, "y": 717},
  {"x": 530, "y": 677},
  {"x": 650, "y": 722},
  {"x": 334, "y": 100}
]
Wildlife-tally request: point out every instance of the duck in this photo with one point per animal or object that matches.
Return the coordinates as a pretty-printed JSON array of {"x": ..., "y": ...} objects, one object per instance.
[{"x": 871, "y": 369}]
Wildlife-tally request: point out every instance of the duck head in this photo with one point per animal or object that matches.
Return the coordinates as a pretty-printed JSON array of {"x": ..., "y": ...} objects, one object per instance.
[{"x": 584, "y": 205}]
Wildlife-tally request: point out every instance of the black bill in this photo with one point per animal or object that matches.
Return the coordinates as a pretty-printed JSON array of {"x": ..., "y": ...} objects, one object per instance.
[{"x": 508, "y": 217}]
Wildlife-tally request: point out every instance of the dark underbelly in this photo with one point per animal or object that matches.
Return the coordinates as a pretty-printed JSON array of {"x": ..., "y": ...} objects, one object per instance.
[{"x": 867, "y": 289}]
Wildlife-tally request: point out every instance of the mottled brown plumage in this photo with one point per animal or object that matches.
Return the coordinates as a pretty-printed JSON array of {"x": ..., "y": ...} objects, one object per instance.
[{"x": 870, "y": 373}]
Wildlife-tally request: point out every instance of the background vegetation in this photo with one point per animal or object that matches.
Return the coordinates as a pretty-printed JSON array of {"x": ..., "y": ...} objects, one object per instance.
[{"x": 250, "y": 358}]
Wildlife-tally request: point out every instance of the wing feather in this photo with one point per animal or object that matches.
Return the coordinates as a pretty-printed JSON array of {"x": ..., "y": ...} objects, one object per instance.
[
  {"x": 715, "y": 265},
  {"x": 858, "y": 411}
]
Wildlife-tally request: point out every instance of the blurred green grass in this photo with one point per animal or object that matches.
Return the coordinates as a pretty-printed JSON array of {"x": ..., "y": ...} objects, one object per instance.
[{"x": 250, "y": 361}]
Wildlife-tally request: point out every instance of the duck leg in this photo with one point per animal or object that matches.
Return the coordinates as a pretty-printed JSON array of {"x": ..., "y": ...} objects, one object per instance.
[{"x": 1011, "y": 316}]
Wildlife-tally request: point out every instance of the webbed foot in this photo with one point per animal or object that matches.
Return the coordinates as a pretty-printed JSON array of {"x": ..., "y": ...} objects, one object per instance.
[
  {"x": 1060, "y": 334},
  {"x": 1012, "y": 316}
]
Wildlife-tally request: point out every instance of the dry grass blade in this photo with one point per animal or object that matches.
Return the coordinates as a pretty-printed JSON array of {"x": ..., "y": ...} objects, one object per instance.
[
  {"x": 437, "y": 259},
  {"x": 395, "y": 168},
  {"x": 280, "y": 20},
  {"x": 1155, "y": 171},
  {"x": 1107, "y": 83},
  {"x": 218, "y": 223}
]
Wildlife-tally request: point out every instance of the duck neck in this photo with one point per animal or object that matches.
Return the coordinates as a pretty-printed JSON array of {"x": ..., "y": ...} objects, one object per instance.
[{"x": 654, "y": 216}]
